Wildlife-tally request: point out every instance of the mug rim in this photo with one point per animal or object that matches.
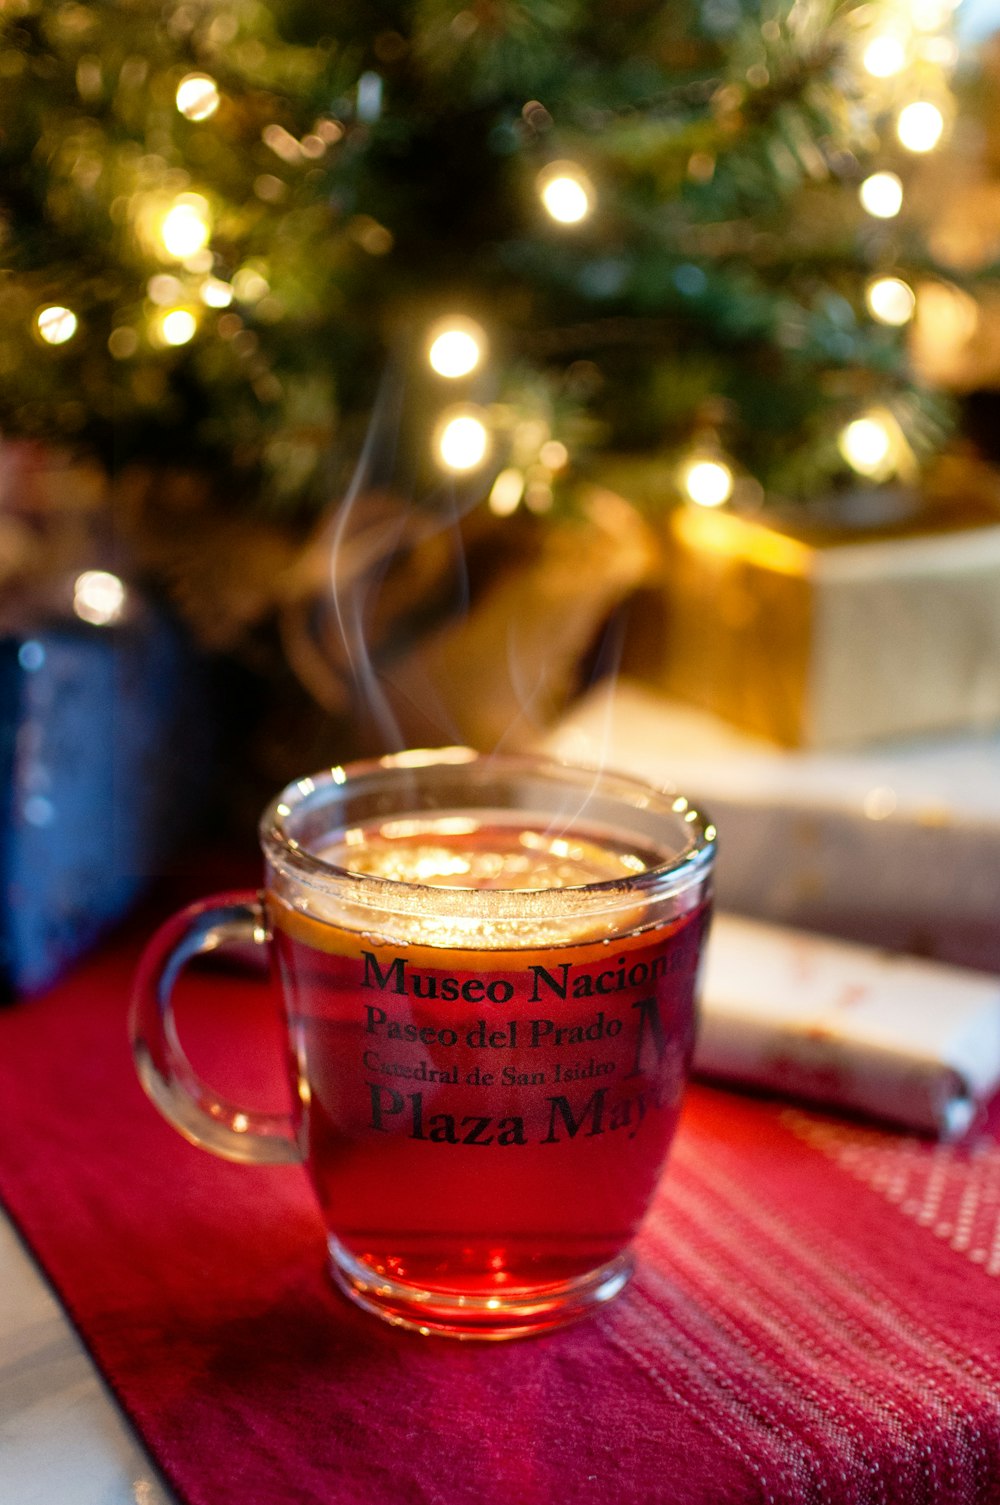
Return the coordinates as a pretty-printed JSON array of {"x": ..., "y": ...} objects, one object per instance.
[{"x": 674, "y": 875}]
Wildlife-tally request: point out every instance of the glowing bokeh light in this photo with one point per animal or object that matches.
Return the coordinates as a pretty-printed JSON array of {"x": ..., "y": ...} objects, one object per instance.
[
  {"x": 197, "y": 96},
  {"x": 866, "y": 445},
  {"x": 507, "y": 491},
  {"x": 164, "y": 289},
  {"x": 941, "y": 51},
  {"x": 709, "y": 483},
  {"x": 890, "y": 300},
  {"x": 456, "y": 347},
  {"x": 884, "y": 56},
  {"x": 947, "y": 321},
  {"x": 881, "y": 195},
  {"x": 463, "y": 441},
  {"x": 177, "y": 326},
  {"x": 215, "y": 293},
  {"x": 56, "y": 324},
  {"x": 538, "y": 496},
  {"x": 201, "y": 262},
  {"x": 565, "y": 193},
  {"x": 920, "y": 126},
  {"x": 250, "y": 286},
  {"x": 185, "y": 228},
  {"x": 554, "y": 454},
  {"x": 99, "y": 597}
]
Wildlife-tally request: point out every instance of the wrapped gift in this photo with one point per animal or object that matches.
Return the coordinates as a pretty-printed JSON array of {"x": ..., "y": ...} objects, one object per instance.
[
  {"x": 830, "y": 636},
  {"x": 104, "y": 747},
  {"x": 896, "y": 846},
  {"x": 909, "y": 1041}
]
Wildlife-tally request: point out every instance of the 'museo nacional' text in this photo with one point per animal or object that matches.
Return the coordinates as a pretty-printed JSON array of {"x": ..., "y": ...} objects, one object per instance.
[{"x": 636, "y": 1043}]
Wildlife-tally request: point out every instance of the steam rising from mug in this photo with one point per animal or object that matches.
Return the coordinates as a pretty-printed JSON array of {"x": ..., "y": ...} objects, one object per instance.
[
  {"x": 386, "y": 564},
  {"x": 428, "y": 620}
]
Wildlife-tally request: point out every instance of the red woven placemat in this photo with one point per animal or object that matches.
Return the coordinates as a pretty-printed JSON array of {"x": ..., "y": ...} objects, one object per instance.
[{"x": 816, "y": 1316}]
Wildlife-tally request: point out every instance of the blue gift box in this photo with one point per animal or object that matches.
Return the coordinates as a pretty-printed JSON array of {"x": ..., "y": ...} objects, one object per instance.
[{"x": 104, "y": 751}]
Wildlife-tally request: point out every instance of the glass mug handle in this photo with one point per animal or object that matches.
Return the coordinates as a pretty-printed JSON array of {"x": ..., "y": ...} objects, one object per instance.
[{"x": 185, "y": 1101}]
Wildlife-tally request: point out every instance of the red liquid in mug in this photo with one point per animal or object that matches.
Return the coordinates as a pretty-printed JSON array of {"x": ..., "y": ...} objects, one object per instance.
[{"x": 479, "y": 1118}]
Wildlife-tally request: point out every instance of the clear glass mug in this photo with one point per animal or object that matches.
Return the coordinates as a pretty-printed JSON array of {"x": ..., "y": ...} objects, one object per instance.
[{"x": 488, "y": 967}]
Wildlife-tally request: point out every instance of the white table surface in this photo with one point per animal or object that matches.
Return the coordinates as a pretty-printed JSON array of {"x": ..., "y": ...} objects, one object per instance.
[{"x": 63, "y": 1437}]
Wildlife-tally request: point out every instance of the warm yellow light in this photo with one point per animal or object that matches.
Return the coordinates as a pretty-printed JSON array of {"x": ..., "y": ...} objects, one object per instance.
[
  {"x": 553, "y": 454},
  {"x": 507, "y": 491},
  {"x": 56, "y": 324},
  {"x": 201, "y": 262},
  {"x": 197, "y": 96},
  {"x": 866, "y": 445},
  {"x": 462, "y": 441},
  {"x": 456, "y": 347},
  {"x": 890, "y": 300},
  {"x": 941, "y": 51},
  {"x": 919, "y": 126},
  {"x": 946, "y": 322},
  {"x": 884, "y": 56},
  {"x": 250, "y": 286},
  {"x": 164, "y": 289},
  {"x": 282, "y": 143},
  {"x": 538, "y": 496},
  {"x": 948, "y": 313},
  {"x": 565, "y": 193},
  {"x": 98, "y": 597},
  {"x": 215, "y": 292},
  {"x": 185, "y": 230},
  {"x": 930, "y": 15},
  {"x": 882, "y": 195},
  {"x": 177, "y": 326},
  {"x": 707, "y": 482}
]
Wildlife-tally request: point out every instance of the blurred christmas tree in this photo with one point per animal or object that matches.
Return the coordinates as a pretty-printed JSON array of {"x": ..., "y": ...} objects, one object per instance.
[{"x": 673, "y": 227}]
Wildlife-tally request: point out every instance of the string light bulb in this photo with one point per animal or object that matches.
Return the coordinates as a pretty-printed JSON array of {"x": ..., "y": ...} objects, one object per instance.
[
  {"x": 197, "y": 96},
  {"x": 881, "y": 195},
  {"x": 55, "y": 324},
  {"x": 867, "y": 445},
  {"x": 708, "y": 483},
  {"x": 163, "y": 289},
  {"x": 215, "y": 293},
  {"x": 920, "y": 126},
  {"x": 99, "y": 597},
  {"x": 884, "y": 56},
  {"x": 463, "y": 440},
  {"x": 185, "y": 228},
  {"x": 890, "y": 300},
  {"x": 249, "y": 285},
  {"x": 455, "y": 347},
  {"x": 566, "y": 193},
  {"x": 506, "y": 492},
  {"x": 176, "y": 326},
  {"x": 941, "y": 51}
]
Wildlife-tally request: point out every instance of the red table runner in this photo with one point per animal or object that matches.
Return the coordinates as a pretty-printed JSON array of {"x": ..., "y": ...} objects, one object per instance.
[{"x": 815, "y": 1319}]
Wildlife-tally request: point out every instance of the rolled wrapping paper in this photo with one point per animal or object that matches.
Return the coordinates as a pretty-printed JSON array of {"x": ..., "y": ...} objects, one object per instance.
[{"x": 913, "y": 1042}]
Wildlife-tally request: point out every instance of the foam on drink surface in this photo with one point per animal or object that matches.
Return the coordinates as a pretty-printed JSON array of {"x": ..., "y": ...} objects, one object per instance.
[
  {"x": 462, "y": 852},
  {"x": 480, "y": 854}
]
